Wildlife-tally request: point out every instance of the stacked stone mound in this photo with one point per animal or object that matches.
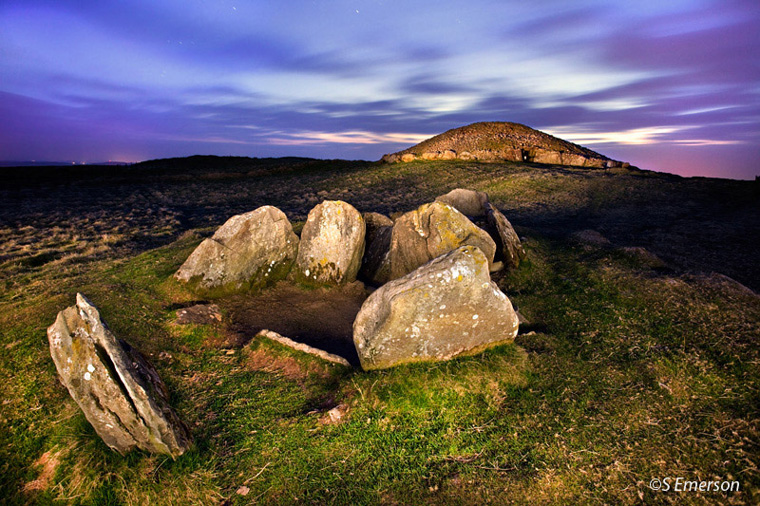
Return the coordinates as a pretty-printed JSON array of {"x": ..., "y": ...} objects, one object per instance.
[
  {"x": 497, "y": 141},
  {"x": 119, "y": 392}
]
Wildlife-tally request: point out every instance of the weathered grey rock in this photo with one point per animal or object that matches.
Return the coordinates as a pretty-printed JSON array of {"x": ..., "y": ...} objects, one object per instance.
[
  {"x": 468, "y": 202},
  {"x": 250, "y": 250},
  {"x": 447, "y": 307},
  {"x": 429, "y": 232},
  {"x": 119, "y": 392},
  {"x": 376, "y": 264},
  {"x": 507, "y": 240},
  {"x": 332, "y": 244}
]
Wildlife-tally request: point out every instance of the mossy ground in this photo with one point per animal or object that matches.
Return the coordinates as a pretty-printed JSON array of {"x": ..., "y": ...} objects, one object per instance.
[{"x": 626, "y": 371}]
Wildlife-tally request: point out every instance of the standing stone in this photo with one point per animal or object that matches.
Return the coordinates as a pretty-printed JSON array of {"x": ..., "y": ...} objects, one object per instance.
[
  {"x": 249, "y": 251},
  {"x": 119, "y": 392},
  {"x": 446, "y": 308},
  {"x": 507, "y": 240},
  {"x": 430, "y": 231},
  {"x": 376, "y": 264},
  {"x": 332, "y": 244},
  {"x": 468, "y": 202}
]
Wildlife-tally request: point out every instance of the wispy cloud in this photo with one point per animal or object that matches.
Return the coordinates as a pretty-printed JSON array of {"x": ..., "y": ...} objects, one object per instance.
[{"x": 352, "y": 137}]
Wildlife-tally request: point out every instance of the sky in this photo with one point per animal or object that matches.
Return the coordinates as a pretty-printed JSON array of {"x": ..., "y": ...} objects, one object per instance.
[{"x": 668, "y": 85}]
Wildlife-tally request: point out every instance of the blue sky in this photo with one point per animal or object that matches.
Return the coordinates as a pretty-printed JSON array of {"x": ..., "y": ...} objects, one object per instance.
[{"x": 667, "y": 85}]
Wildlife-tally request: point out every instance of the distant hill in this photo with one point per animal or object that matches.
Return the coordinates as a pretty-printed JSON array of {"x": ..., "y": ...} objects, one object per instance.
[{"x": 497, "y": 141}]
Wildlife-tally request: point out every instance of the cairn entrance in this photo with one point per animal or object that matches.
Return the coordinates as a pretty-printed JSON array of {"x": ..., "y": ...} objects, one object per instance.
[{"x": 322, "y": 318}]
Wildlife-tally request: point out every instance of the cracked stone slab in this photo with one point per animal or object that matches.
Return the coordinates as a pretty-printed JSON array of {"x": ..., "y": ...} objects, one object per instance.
[{"x": 119, "y": 392}]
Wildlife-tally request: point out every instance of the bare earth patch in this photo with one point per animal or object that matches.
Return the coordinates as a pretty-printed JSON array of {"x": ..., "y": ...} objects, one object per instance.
[{"x": 48, "y": 462}]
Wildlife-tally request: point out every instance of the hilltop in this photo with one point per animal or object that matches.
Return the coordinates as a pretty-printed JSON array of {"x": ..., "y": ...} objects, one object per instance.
[
  {"x": 497, "y": 141},
  {"x": 637, "y": 358}
]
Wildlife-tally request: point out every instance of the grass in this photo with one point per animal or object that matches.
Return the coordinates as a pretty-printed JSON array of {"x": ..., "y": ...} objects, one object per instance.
[{"x": 628, "y": 370}]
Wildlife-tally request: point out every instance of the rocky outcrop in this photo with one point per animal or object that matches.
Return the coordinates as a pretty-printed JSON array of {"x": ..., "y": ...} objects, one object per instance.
[
  {"x": 332, "y": 244},
  {"x": 376, "y": 264},
  {"x": 429, "y": 232},
  {"x": 119, "y": 392},
  {"x": 502, "y": 141},
  {"x": 249, "y": 251},
  {"x": 446, "y": 308}
]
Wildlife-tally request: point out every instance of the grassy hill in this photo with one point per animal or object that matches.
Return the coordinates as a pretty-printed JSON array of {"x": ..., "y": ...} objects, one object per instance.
[{"x": 639, "y": 360}]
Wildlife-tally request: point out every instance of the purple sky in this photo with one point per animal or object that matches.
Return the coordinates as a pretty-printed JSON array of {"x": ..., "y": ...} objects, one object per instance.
[{"x": 668, "y": 85}]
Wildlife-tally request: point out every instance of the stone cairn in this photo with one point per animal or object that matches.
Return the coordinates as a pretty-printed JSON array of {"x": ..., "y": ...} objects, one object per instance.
[{"x": 435, "y": 300}]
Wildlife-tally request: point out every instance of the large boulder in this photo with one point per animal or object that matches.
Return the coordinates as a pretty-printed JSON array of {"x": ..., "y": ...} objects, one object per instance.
[
  {"x": 332, "y": 244},
  {"x": 119, "y": 392},
  {"x": 375, "y": 264},
  {"x": 249, "y": 251},
  {"x": 447, "y": 307},
  {"x": 468, "y": 202},
  {"x": 507, "y": 241},
  {"x": 429, "y": 232}
]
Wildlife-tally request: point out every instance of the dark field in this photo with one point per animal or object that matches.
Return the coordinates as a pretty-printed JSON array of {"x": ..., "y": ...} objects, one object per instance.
[{"x": 640, "y": 359}]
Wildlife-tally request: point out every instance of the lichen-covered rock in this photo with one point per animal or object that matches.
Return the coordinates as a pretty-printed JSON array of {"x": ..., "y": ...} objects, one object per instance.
[
  {"x": 249, "y": 251},
  {"x": 468, "y": 202},
  {"x": 429, "y": 232},
  {"x": 507, "y": 240},
  {"x": 119, "y": 392},
  {"x": 447, "y": 154},
  {"x": 447, "y": 307},
  {"x": 408, "y": 157},
  {"x": 376, "y": 264},
  {"x": 332, "y": 244}
]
